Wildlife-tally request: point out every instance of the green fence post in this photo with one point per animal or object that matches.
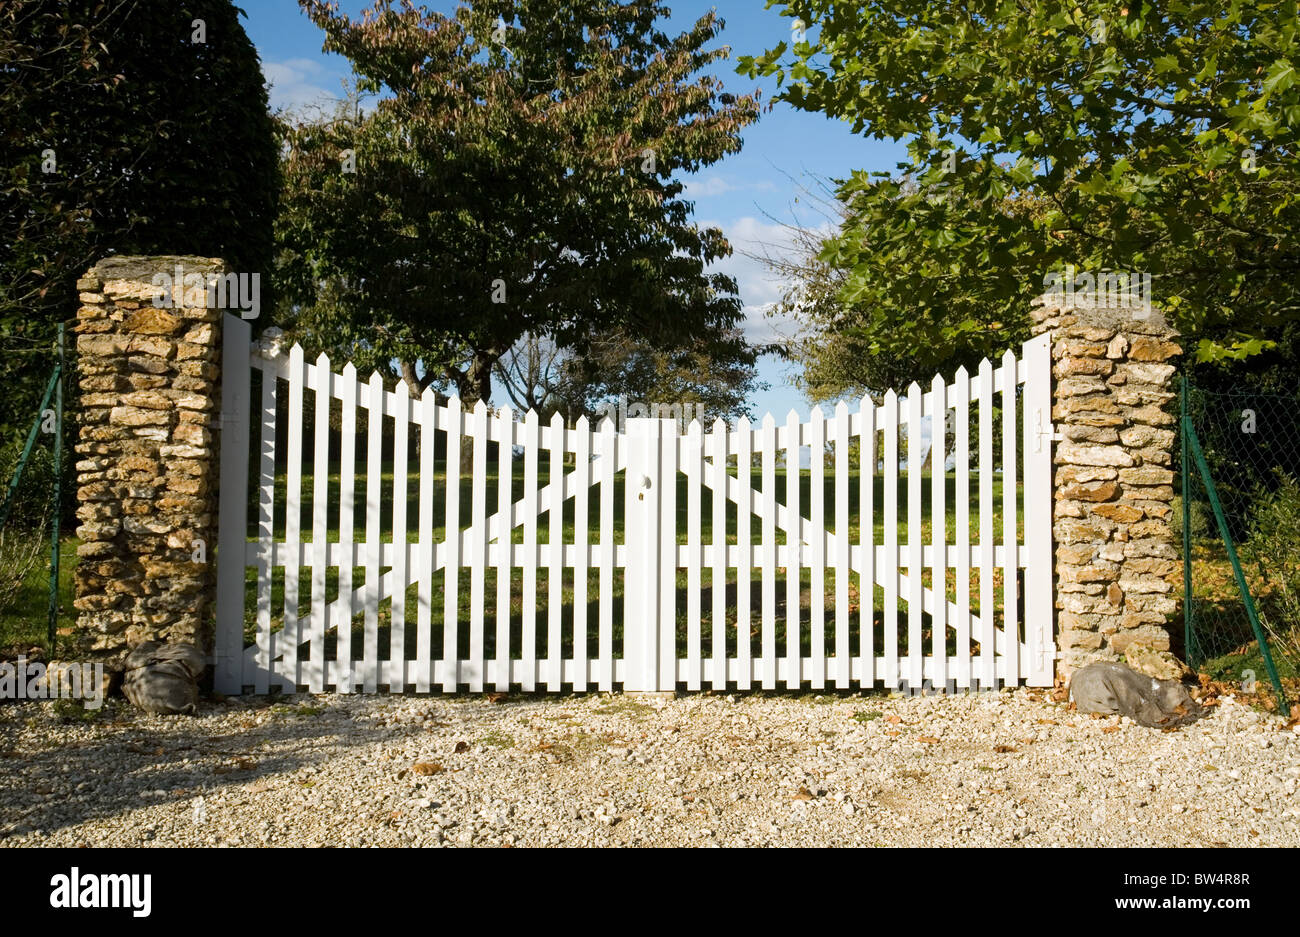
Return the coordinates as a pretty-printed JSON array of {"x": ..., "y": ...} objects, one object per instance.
[
  {"x": 59, "y": 371},
  {"x": 1246, "y": 598},
  {"x": 27, "y": 449}
]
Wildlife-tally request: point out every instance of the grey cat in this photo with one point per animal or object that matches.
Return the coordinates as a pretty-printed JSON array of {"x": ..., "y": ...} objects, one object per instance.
[
  {"x": 160, "y": 678},
  {"x": 1108, "y": 687}
]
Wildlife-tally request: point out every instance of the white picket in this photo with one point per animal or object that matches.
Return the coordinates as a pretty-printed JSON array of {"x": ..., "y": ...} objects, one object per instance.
[
  {"x": 505, "y": 546},
  {"x": 345, "y": 680},
  {"x": 817, "y": 553},
  {"x": 840, "y": 434},
  {"x": 582, "y": 557},
  {"x": 528, "y": 622},
  {"x": 397, "y": 626},
  {"x": 794, "y": 549},
  {"x": 718, "y": 446},
  {"x": 915, "y": 539},
  {"x": 867, "y": 542},
  {"x": 745, "y": 550},
  {"x": 767, "y": 550},
  {"x": 988, "y": 661},
  {"x": 265, "y": 533},
  {"x": 291, "y": 634},
  {"x": 693, "y": 455},
  {"x": 424, "y": 676},
  {"x": 1037, "y": 508},
  {"x": 373, "y": 546},
  {"x": 320, "y": 475},
  {"x": 938, "y": 530},
  {"x": 451, "y": 526},
  {"x": 890, "y": 571},
  {"x": 478, "y": 547},
  {"x": 961, "y": 457},
  {"x": 605, "y": 644},
  {"x": 555, "y": 554},
  {"x": 1011, "y": 561}
]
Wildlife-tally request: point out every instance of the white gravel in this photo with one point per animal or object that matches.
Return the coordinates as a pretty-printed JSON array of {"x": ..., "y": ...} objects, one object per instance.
[{"x": 1012, "y": 768}]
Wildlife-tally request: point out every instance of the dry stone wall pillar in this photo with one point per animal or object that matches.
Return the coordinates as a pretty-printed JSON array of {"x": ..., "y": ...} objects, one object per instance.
[
  {"x": 148, "y": 365},
  {"x": 1117, "y": 570}
]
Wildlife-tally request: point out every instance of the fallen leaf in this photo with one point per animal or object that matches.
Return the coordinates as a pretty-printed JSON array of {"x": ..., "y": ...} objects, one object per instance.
[
  {"x": 894, "y": 718},
  {"x": 1004, "y": 749},
  {"x": 804, "y": 794},
  {"x": 1047, "y": 722},
  {"x": 894, "y": 732},
  {"x": 1110, "y": 728},
  {"x": 426, "y": 767},
  {"x": 498, "y": 697},
  {"x": 928, "y": 739}
]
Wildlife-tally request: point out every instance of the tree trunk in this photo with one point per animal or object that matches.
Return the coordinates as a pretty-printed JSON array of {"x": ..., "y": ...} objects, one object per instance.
[{"x": 474, "y": 384}]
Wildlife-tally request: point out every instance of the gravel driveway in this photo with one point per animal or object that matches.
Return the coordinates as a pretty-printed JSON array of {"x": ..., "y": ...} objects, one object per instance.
[{"x": 1010, "y": 768}]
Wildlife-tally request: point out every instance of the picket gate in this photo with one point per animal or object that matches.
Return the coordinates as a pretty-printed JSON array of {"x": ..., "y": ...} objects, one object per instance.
[{"x": 984, "y": 617}]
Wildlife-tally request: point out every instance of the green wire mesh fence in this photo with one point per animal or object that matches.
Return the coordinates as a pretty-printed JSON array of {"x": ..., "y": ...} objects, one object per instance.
[
  {"x": 32, "y": 549},
  {"x": 1239, "y": 521}
]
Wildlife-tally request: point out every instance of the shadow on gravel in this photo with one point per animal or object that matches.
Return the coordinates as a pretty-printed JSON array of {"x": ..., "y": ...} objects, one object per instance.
[{"x": 132, "y": 755}]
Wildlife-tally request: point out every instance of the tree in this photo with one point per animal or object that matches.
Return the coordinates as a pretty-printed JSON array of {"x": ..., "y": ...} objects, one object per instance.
[
  {"x": 516, "y": 178},
  {"x": 833, "y": 357},
  {"x": 714, "y": 376},
  {"x": 716, "y": 373},
  {"x": 1147, "y": 137},
  {"x": 126, "y": 128}
]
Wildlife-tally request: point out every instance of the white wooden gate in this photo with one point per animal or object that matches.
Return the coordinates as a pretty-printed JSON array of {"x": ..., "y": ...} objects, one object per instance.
[{"x": 411, "y": 599}]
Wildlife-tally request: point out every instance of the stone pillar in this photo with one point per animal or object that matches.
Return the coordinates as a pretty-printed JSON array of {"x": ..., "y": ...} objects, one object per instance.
[
  {"x": 146, "y": 470},
  {"x": 1118, "y": 574}
]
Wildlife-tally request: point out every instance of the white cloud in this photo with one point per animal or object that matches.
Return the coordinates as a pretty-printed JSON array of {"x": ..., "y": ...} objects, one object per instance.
[
  {"x": 712, "y": 185},
  {"x": 760, "y": 288},
  {"x": 300, "y": 83},
  {"x": 709, "y": 185}
]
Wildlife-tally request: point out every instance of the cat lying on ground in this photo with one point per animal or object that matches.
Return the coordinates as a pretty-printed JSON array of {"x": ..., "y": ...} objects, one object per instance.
[{"x": 1108, "y": 687}]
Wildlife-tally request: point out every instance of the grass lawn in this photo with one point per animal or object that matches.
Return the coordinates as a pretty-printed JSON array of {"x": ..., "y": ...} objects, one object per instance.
[{"x": 23, "y": 624}]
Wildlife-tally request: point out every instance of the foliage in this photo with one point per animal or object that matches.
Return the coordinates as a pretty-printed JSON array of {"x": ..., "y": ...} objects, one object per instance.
[
  {"x": 157, "y": 144},
  {"x": 515, "y": 178},
  {"x": 1153, "y": 137},
  {"x": 1273, "y": 548}
]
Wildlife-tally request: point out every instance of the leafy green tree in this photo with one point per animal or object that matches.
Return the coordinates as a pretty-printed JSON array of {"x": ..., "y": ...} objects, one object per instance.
[
  {"x": 1143, "y": 136},
  {"x": 515, "y": 177},
  {"x": 127, "y": 128}
]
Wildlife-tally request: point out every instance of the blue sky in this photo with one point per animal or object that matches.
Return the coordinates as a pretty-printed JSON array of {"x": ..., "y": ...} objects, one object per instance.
[{"x": 742, "y": 194}]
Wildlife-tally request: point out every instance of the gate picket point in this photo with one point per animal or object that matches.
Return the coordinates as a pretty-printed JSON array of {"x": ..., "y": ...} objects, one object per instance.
[{"x": 650, "y": 456}]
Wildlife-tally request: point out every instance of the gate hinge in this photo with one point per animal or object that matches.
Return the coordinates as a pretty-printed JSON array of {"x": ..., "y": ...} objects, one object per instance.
[{"x": 1043, "y": 430}]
